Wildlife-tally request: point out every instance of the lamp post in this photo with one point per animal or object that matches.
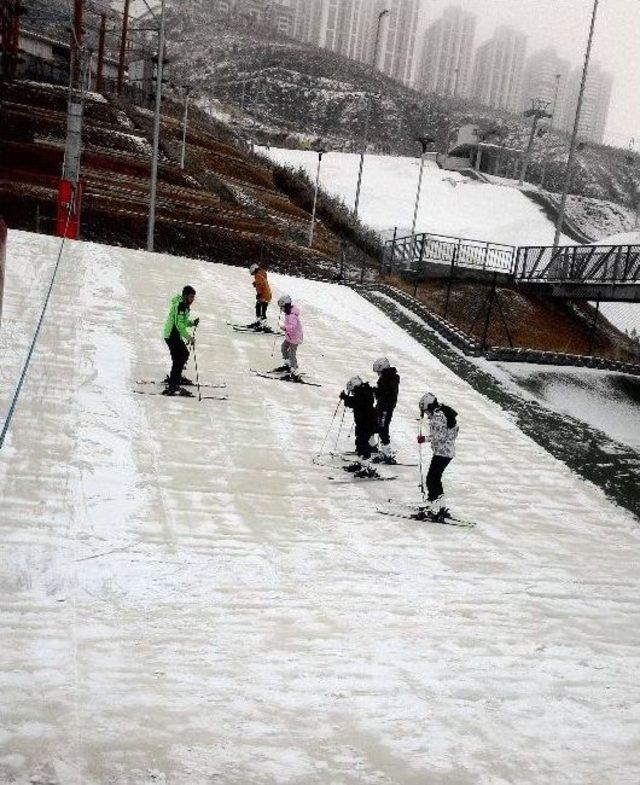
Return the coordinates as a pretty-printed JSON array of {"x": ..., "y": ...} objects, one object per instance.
[
  {"x": 425, "y": 141},
  {"x": 538, "y": 111},
  {"x": 156, "y": 135},
  {"x": 320, "y": 152},
  {"x": 356, "y": 206},
  {"x": 184, "y": 126},
  {"x": 574, "y": 135}
]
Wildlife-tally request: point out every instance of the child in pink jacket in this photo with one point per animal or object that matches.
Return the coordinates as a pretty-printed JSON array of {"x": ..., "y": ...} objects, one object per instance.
[{"x": 293, "y": 336}]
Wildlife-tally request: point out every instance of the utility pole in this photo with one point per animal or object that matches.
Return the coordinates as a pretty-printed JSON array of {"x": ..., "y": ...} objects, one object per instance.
[
  {"x": 123, "y": 45},
  {"x": 425, "y": 141},
  {"x": 320, "y": 152},
  {"x": 76, "y": 46},
  {"x": 574, "y": 135},
  {"x": 70, "y": 186},
  {"x": 151, "y": 226},
  {"x": 184, "y": 126},
  {"x": 374, "y": 67},
  {"x": 101, "y": 40},
  {"x": 538, "y": 111}
]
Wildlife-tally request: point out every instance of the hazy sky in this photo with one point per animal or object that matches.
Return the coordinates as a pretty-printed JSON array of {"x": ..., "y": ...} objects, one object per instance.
[{"x": 565, "y": 25}]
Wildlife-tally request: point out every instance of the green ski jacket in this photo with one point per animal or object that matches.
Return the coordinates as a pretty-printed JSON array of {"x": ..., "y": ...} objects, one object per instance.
[{"x": 179, "y": 317}]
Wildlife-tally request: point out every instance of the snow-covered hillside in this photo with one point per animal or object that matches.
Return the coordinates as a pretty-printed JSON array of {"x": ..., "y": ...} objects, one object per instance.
[
  {"x": 186, "y": 598},
  {"x": 450, "y": 203}
]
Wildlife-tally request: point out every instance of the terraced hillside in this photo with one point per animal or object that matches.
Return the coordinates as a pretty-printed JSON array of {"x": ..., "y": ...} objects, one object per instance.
[{"x": 224, "y": 205}]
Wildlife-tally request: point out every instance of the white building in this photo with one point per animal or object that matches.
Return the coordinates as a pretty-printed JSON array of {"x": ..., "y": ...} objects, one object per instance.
[
  {"x": 595, "y": 105},
  {"x": 546, "y": 78},
  {"x": 498, "y": 70},
  {"x": 447, "y": 50},
  {"x": 397, "y": 47}
]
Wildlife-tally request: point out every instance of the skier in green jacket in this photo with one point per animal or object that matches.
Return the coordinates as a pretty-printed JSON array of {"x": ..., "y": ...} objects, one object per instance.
[{"x": 178, "y": 337}]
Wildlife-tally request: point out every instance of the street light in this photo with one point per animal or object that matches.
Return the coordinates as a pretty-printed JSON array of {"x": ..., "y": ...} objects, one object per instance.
[
  {"x": 320, "y": 152},
  {"x": 574, "y": 135},
  {"x": 156, "y": 135},
  {"x": 538, "y": 111},
  {"x": 184, "y": 126},
  {"x": 424, "y": 141},
  {"x": 374, "y": 66}
]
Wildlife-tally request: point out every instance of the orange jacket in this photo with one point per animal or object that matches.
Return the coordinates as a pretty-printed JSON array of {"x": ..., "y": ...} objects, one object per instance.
[{"x": 263, "y": 292}]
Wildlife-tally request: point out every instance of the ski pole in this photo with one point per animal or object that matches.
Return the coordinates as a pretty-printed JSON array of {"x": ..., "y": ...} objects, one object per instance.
[
  {"x": 195, "y": 362},
  {"x": 335, "y": 449},
  {"x": 273, "y": 348},
  {"x": 421, "y": 440},
  {"x": 328, "y": 430}
]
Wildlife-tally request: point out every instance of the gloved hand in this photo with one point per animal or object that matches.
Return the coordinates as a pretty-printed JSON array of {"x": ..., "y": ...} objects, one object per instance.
[
  {"x": 196, "y": 321},
  {"x": 421, "y": 439},
  {"x": 343, "y": 396}
]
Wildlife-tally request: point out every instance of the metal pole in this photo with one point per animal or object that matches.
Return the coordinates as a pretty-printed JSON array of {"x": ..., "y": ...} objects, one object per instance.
[
  {"x": 101, "y": 39},
  {"x": 156, "y": 135},
  {"x": 315, "y": 199},
  {"x": 415, "y": 209},
  {"x": 592, "y": 338},
  {"x": 527, "y": 155},
  {"x": 574, "y": 135},
  {"x": 77, "y": 45},
  {"x": 184, "y": 129},
  {"x": 3, "y": 258},
  {"x": 450, "y": 281},
  {"x": 368, "y": 112},
  {"x": 123, "y": 45},
  {"x": 357, "y": 202}
]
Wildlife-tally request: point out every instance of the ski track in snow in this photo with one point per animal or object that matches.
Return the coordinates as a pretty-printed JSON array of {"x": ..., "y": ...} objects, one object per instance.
[{"x": 187, "y": 599}]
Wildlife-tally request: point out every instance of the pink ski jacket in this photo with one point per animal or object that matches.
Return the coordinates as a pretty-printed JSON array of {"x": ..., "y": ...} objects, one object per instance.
[{"x": 293, "y": 327}]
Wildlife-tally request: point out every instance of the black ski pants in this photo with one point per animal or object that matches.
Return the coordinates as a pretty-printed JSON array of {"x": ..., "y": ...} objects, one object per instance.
[
  {"x": 364, "y": 432},
  {"x": 261, "y": 309},
  {"x": 434, "y": 476},
  {"x": 179, "y": 357},
  {"x": 384, "y": 421}
]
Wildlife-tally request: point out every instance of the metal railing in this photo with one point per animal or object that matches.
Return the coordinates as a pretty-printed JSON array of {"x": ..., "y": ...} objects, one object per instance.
[
  {"x": 409, "y": 253},
  {"x": 612, "y": 264}
]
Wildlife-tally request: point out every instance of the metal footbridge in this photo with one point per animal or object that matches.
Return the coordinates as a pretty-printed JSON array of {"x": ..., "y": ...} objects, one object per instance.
[{"x": 578, "y": 272}]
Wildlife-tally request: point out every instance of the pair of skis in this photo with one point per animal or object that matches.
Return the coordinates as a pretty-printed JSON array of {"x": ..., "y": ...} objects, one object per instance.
[
  {"x": 183, "y": 391},
  {"x": 253, "y": 328},
  {"x": 421, "y": 514},
  {"x": 283, "y": 376}
]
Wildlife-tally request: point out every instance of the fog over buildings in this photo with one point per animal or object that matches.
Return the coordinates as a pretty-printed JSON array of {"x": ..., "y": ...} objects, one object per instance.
[{"x": 503, "y": 53}]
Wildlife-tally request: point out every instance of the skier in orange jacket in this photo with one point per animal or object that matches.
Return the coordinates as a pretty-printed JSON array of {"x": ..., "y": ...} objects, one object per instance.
[{"x": 263, "y": 296}]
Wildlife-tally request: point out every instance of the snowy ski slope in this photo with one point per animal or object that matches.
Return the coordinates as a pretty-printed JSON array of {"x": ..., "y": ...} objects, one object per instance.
[{"x": 187, "y": 599}]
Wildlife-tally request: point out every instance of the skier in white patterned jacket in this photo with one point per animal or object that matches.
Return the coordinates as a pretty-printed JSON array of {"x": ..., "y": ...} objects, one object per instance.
[{"x": 443, "y": 432}]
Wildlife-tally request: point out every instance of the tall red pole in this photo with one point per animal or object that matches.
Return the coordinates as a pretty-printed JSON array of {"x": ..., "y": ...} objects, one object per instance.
[
  {"x": 103, "y": 30},
  {"x": 123, "y": 45}
]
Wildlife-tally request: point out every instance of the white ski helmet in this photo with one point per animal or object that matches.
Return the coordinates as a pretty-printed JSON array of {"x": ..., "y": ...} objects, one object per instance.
[
  {"x": 254, "y": 268},
  {"x": 284, "y": 300},
  {"x": 428, "y": 399},
  {"x": 354, "y": 381},
  {"x": 381, "y": 364}
]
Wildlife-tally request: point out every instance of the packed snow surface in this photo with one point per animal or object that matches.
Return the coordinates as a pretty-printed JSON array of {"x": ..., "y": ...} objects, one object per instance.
[
  {"x": 450, "y": 203},
  {"x": 187, "y": 599}
]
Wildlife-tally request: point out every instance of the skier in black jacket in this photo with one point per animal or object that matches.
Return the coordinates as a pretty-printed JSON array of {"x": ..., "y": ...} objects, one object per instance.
[
  {"x": 386, "y": 392},
  {"x": 360, "y": 397}
]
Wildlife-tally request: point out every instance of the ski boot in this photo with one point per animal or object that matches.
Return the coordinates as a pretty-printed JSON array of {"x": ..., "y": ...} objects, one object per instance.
[
  {"x": 281, "y": 369},
  {"x": 356, "y": 466},
  {"x": 366, "y": 472}
]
